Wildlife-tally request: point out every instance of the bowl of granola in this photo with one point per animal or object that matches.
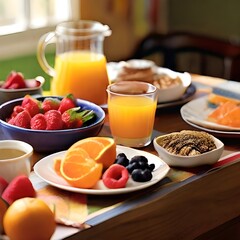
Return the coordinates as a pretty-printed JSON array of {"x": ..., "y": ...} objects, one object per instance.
[{"x": 188, "y": 148}]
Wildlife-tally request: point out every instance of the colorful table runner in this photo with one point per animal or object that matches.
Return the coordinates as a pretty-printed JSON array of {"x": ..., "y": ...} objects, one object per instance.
[{"x": 74, "y": 209}]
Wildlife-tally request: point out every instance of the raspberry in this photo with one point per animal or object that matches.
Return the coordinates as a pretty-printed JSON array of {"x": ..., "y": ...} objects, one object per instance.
[
  {"x": 22, "y": 119},
  {"x": 54, "y": 120},
  {"x": 116, "y": 176},
  {"x": 31, "y": 104},
  {"x": 38, "y": 122},
  {"x": 50, "y": 104},
  {"x": 67, "y": 102},
  {"x": 19, "y": 187}
]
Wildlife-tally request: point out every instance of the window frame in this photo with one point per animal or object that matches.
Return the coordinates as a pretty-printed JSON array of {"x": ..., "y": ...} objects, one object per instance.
[{"x": 25, "y": 42}]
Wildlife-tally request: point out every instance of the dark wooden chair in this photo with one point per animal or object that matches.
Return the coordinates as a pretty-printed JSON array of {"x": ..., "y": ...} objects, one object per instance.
[{"x": 203, "y": 55}]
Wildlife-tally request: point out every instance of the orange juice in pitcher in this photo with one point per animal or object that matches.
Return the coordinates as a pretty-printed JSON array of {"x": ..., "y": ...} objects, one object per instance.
[
  {"x": 83, "y": 74},
  {"x": 80, "y": 65}
]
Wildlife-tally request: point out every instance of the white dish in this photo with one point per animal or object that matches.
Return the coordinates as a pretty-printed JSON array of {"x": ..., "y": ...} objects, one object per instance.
[
  {"x": 210, "y": 157},
  {"x": 195, "y": 114},
  {"x": 44, "y": 169},
  {"x": 186, "y": 97},
  {"x": 175, "y": 92},
  {"x": 166, "y": 94}
]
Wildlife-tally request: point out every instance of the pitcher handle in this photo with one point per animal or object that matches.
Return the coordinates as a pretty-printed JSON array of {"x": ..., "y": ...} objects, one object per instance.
[{"x": 42, "y": 44}]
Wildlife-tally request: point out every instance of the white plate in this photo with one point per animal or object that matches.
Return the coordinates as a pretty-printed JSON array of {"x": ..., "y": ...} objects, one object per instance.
[
  {"x": 195, "y": 114},
  {"x": 44, "y": 169}
]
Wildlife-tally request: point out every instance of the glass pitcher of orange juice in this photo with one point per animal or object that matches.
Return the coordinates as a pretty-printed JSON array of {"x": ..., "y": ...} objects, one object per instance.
[{"x": 80, "y": 65}]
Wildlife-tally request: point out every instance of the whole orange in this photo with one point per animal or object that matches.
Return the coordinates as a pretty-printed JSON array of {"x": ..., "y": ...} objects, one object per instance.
[
  {"x": 3, "y": 209},
  {"x": 29, "y": 219}
]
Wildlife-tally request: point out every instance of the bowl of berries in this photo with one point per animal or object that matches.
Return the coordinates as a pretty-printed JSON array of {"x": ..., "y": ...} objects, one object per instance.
[
  {"x": 50, "y": 123},
  {"x": 16, "y": 86}
]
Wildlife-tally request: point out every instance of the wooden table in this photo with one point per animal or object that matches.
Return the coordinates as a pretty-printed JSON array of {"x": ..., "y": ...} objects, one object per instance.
[{"x": 203, "y": 206}]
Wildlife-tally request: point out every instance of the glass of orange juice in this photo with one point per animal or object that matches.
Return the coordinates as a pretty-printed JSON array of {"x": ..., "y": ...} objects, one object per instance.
[
  {"x": 80, "y": 64},
  {"x": 132, "y": 107}
]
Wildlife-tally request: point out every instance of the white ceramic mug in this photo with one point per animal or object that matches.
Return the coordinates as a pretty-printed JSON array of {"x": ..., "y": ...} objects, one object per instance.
[{"x": 15, "y": 159}]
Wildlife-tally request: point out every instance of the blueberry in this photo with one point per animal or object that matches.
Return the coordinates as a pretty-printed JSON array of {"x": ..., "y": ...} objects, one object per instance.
[
  {"x": 139, "y": 159},
  {"x": 122, "y": 160},
  {"x": 143, "y": 165},
  {"x": 151, "y": 167},
  {"x": 132, "y": 166},
  {"x": 147, "y": 175},
  {"x": 139, "y": 175}
]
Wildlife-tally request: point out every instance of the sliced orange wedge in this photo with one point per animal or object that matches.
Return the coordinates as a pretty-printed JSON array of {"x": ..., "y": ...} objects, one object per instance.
[
  {"x": 101, "y": 149},
  {"x": 80, "y": 171}
]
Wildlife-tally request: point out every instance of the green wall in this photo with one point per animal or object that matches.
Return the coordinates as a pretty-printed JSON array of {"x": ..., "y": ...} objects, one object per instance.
[{"x": 219, "y": 18}]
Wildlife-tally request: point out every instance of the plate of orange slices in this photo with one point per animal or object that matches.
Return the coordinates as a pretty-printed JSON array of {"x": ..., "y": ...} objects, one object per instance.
[
  {"x": 45, "y": 169},
  {"x": 198, "y": 112}
]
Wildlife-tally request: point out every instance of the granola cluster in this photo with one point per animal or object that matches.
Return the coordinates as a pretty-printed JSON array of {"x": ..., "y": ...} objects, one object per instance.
[{"x": 188, "y": 143}]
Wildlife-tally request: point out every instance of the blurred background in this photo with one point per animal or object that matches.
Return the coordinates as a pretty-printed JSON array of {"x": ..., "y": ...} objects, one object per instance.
[{"x": 23, "y": 22}]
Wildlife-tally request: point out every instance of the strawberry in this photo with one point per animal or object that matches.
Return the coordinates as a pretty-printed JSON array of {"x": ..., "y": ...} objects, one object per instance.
[
  {"x": 32, "y": 105},
  {"x": 14, "y": 80},
  {"x": 3, "y": 184},
  {"x": 17, "y": 109},
  {"x": 74, "y": 119},
  {"x": 10, "y": 121},
  {"x": 21, "y": 120},
  {"x": 116, "y": 176},
  {"x": 67, "y": 102},
  {"x": 54, "y": 120},
  {"x": 38, "y": 122},
  {"x": 50, "y": 104},
  {"x": 19, "y": 187}
]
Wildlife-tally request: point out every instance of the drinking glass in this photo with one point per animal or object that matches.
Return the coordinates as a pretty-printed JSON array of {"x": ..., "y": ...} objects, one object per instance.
[{"x": 132, "y": 107}]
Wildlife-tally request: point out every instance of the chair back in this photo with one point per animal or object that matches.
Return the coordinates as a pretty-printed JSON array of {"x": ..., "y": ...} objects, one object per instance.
[{"x": 201, "y": 52}]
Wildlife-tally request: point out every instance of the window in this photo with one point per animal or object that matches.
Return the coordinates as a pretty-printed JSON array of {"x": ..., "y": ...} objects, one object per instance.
[
  {"x": 29, "y": 19},
  {"x": 21, "y": 15}
]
